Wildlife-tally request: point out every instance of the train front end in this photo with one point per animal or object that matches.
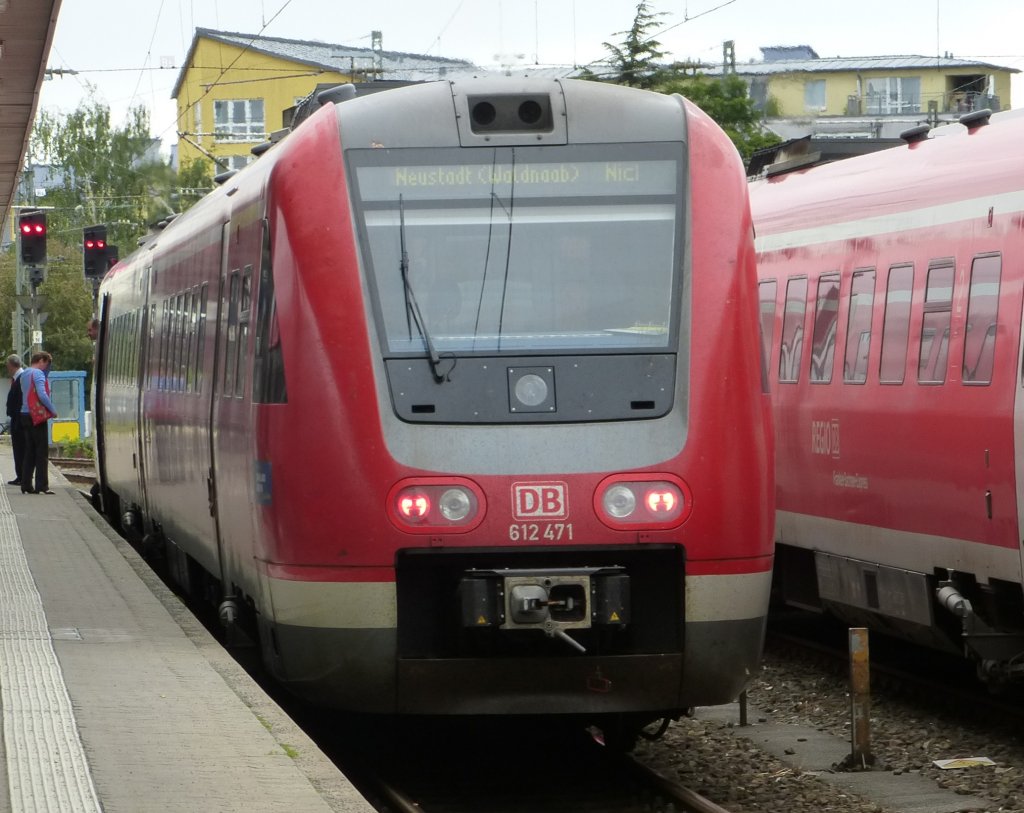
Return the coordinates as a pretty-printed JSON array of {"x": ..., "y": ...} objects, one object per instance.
[{"x": 541, "y": 476}]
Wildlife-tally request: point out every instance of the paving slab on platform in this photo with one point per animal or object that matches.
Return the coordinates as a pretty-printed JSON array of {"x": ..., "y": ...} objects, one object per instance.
[{"x": 161, "y": 717}]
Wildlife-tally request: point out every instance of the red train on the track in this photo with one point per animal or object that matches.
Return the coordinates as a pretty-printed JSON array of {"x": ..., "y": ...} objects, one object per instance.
[
  {"x": 456, "y": 392},
  {"x": 891, "y": 301}
]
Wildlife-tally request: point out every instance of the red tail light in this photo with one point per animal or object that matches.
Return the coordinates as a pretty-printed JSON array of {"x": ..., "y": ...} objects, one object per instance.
[
  {"x": 414, "y": 507},
  {"x": 430, "y": 505},
  {"x": 643, "y": 501}
]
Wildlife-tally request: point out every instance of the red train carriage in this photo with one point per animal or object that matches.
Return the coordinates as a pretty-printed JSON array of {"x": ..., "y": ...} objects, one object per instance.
[
  {"x": 456, "y": 391},
  {"x": 891, "y": 311}
]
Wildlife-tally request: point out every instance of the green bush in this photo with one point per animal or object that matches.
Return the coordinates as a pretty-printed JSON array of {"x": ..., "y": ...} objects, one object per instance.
[{"x": 78, "y": 448}]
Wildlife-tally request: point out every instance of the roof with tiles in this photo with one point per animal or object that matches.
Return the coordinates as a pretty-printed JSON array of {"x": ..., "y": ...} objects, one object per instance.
[
  {"x": 333, "y": 57},
  {"x": 859, "y": 64}
]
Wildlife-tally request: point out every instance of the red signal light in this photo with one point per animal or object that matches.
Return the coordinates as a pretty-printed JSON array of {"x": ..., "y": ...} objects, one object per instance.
[{"x": 95, "y": 244}]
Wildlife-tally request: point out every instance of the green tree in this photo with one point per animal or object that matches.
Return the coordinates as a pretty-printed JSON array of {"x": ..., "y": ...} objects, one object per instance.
[
  {"x": 726, "y": 101},
  {"x": 634, "y": 61},
  {"x": 108, "y": 174}
]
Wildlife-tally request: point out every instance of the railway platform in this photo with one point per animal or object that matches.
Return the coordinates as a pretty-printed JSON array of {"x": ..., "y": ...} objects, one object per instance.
[{"x": 115, "y": 698}]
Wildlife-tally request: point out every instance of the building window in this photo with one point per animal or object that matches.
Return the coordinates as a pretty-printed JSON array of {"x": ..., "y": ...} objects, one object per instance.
[
  {"x": 938, "y": 313},
  {"x": 814, "y": 95},
  {"x": 236, "y": 162},
  {"x": 858, "y": 327},
  {"x": 826, "y": 319},
  {"x": 793, "y": 330},
  {"x": 980, "y": 336},
  {"x": 889, "y": 95},
  {"x": 239, "y": 120},
  {"x": 197, "y": 111}
]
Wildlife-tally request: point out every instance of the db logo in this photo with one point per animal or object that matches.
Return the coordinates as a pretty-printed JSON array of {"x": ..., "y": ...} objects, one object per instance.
[{"x": 540, "y": 500}]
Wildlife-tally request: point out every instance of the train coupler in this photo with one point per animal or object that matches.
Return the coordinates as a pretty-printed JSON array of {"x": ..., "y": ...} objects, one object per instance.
[{"x": 550, "y": 601}]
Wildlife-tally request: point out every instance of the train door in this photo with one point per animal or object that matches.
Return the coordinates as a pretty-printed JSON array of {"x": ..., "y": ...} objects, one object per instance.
[
  {"x": 143, "y": 429},
  {"x": 1018, "y": 407},
  {"x": 98, "y": 398},
  {"x": 213, "y": 479}
]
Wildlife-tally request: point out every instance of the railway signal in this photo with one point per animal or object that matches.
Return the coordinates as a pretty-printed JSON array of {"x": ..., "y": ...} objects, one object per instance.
[
  {"x": 94, "y": 251},
  {"x": 32, "y": 230}
]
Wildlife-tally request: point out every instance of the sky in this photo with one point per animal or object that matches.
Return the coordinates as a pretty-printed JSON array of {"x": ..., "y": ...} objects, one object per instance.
[{"x": 129, "y": 54}]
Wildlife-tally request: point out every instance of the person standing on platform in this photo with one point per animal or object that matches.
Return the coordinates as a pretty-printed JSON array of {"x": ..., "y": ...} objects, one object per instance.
[
  {"x": 36, "y": 410},
  {"x": 15, "y": 370}
]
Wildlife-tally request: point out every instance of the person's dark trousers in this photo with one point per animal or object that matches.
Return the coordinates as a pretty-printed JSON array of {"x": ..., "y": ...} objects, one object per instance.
[
  {"x": 18, "y": 445},
  {"x": 36, "y": 457}
]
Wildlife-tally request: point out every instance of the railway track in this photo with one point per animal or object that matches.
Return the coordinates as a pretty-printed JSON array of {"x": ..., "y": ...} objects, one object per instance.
[
  {"x": 76, "y": 470},
  {"x": 553, "y": 771}
]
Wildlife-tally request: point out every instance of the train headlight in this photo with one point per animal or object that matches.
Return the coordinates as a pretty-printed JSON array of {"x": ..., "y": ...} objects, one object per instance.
[
  {"x": 643, "y": 501},
  {"x": 433, "y": 505},
  {"x": 619, "y": 501},
  {"x": 455, "y": 504}
]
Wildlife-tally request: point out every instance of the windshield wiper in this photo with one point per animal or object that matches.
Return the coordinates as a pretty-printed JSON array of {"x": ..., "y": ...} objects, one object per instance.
[{"x": 412, "y": 308}]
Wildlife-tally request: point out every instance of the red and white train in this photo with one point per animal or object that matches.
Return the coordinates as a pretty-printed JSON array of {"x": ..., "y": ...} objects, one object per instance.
[
  {"x": 456, "y": 392},
  {"x": 891, "y": 300}
]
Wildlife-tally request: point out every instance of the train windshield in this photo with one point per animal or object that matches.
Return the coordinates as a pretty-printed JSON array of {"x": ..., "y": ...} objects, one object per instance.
[{"x": 522, "y": 249}]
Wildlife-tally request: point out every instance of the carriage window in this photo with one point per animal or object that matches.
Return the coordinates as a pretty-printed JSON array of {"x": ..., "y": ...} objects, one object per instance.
[
  {"x": 896, "y": 327},
  {"x": 980, "y": 336},
  {"x": 826, "y": 318},
  {"x": 165, "y": 343},
  {"x": 268, "y": 385},
  {"x": 938, "y": 311},
  {"x": 858, "y": 327},
  {"x": 200, "y": 338},
  {"x": 793, "y": 329},
  {"x": 244, "y": 306},
  {"x": 232, "y": 336},
  {"x": 766, "y": 294}
]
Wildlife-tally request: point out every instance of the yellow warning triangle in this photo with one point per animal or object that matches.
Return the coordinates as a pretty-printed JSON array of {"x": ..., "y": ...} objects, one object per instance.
[
  {"x": 481, "y": 620},
  {"x": 615, "y": 616}
]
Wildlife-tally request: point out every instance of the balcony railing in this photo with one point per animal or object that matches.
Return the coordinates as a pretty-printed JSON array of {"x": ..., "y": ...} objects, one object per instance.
[{"x": 957, "y": 103}]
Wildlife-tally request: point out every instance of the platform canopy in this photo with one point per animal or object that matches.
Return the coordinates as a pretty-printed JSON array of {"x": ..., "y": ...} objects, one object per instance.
[{"x": 26, "y": 32}]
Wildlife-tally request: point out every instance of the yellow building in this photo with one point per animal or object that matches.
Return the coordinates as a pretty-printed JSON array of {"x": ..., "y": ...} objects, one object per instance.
[
  {"x": 865, "y": 93},
  {"x": 233, "y": 88}
]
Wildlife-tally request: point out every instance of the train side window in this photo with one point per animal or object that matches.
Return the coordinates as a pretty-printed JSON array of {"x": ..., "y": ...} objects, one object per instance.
[
  {"x": 165, "y": 342},
  {"x": 938, "y": 313},
  {"x": 177, "y": 336},
  {"x": 230, "y": 358},
  {"x": 793, "y": 330},
  {"x": 152, "y": 356},
  {"x": 858, "y": 327},
  {"x": 982, "y": 307},
  {"x": 244, "y": 313},
  {"x": 200, "y": 338},
  {"x": 896, "y": 325},
  {"x": 766, "y": 291},
  {"x": 826, "y": 320},
  {"x": 186, "y": 341},
  {"x": 268, "y": 385}
]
